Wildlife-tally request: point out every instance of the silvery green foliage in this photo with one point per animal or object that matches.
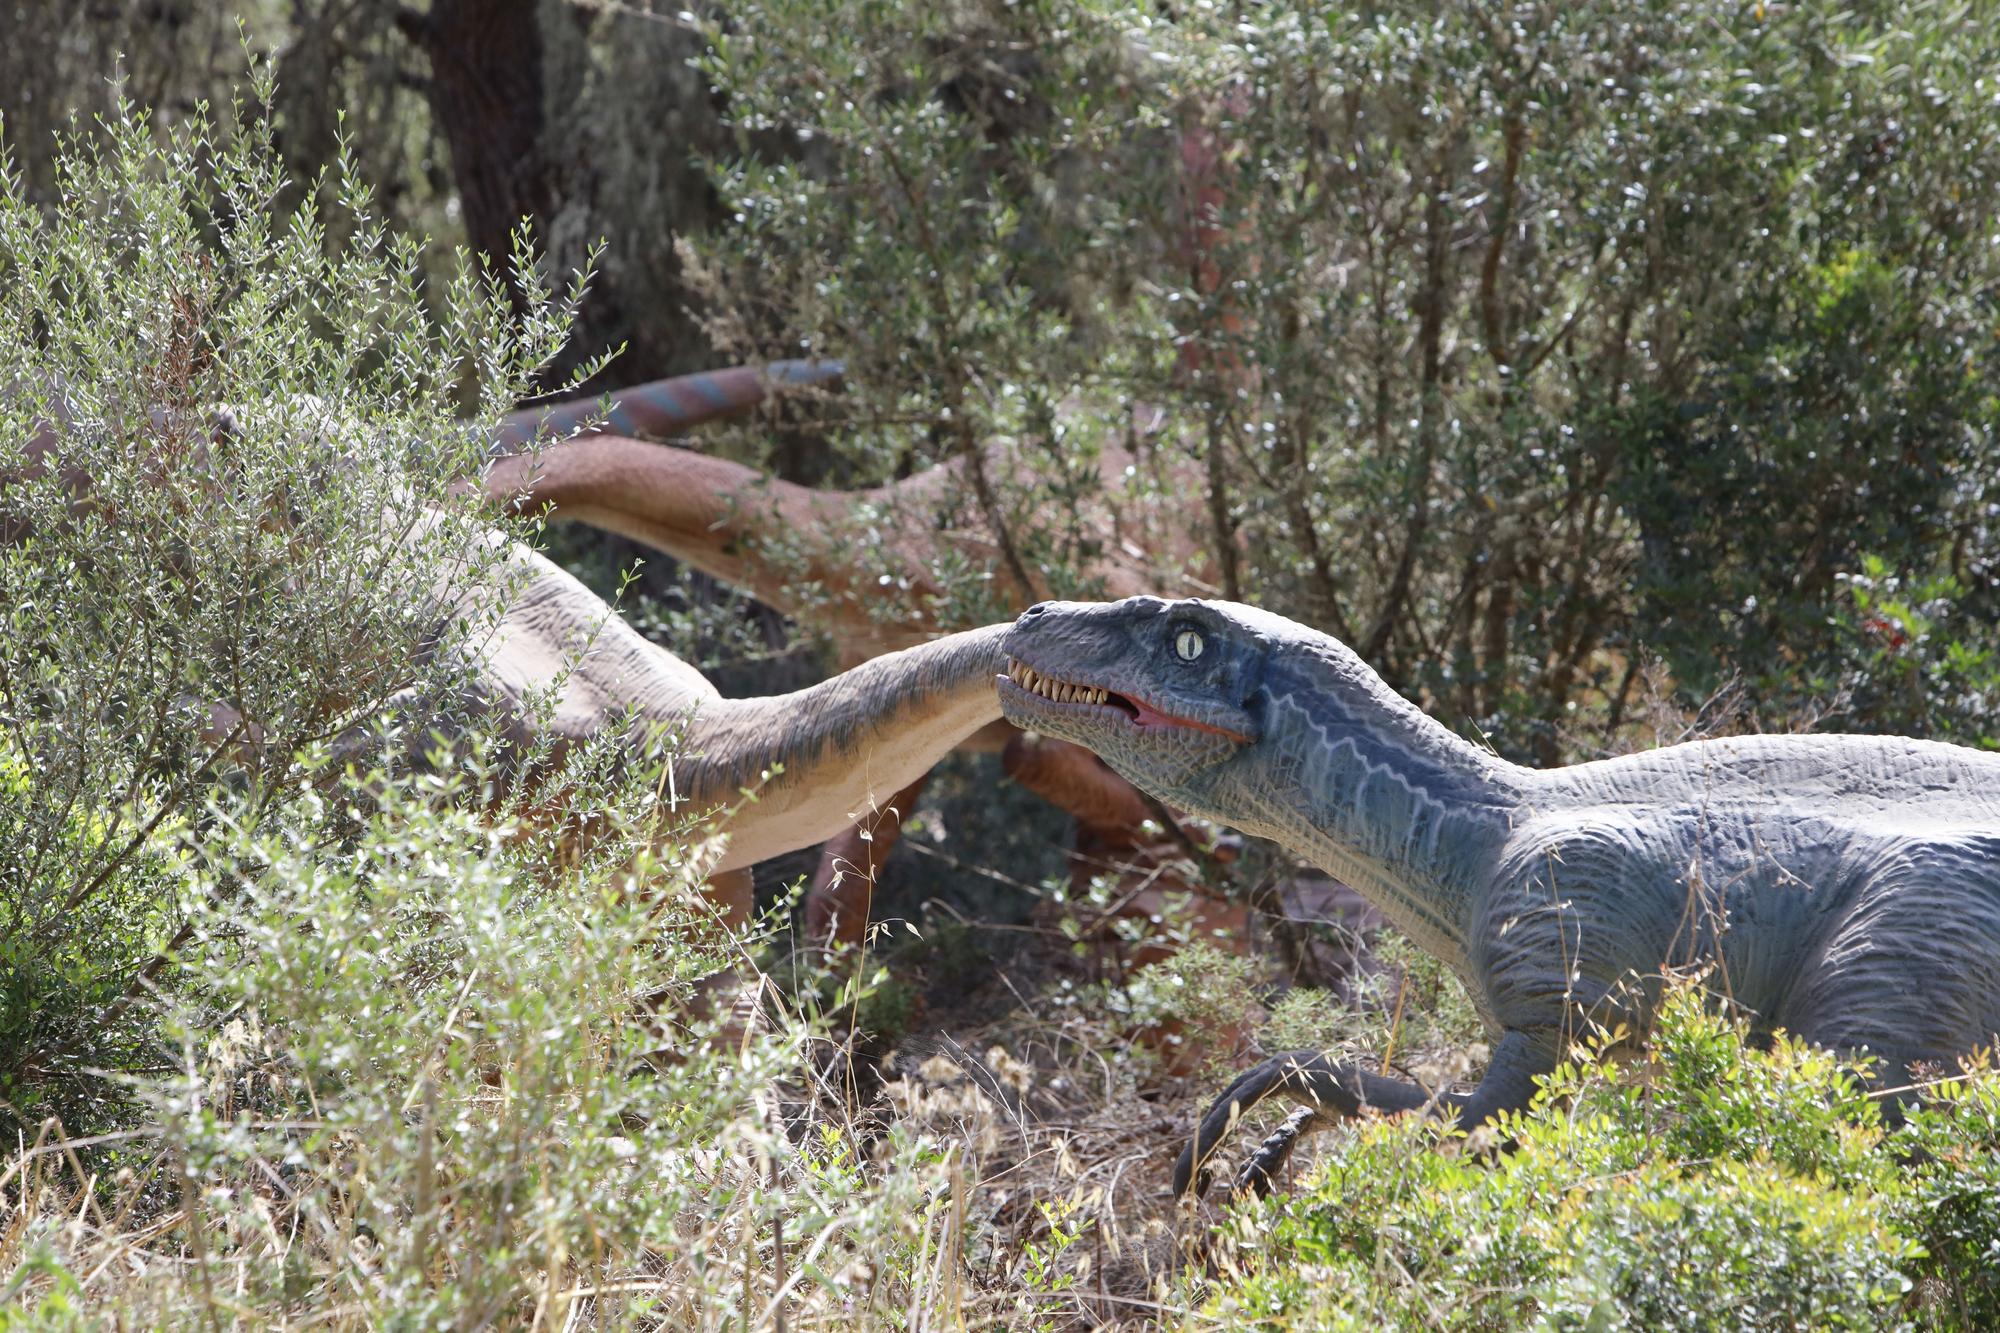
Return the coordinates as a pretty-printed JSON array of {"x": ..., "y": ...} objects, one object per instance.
[
  {"x": 455, "y": 1072},
  {"x": 1719, "y": 1184},
  {"x": 227, "y": 434},
  {"x": 371, "y": 1047},
  {"x": 425, "y": 1065}
]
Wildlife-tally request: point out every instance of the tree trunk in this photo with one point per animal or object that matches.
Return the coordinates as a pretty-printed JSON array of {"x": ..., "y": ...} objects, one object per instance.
[
  {"x": 487, "y": 94},
  {"x": 589, "y": 124}
]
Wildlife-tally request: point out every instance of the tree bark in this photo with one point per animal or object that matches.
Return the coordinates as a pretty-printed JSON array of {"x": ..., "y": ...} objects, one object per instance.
[{"x": 486, "y": 91}]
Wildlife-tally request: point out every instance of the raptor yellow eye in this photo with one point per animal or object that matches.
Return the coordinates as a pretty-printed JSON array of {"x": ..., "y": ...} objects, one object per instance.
[{"x": 1188, "y": 644}]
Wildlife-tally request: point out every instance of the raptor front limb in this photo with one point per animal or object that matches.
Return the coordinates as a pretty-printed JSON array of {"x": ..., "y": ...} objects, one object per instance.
[
  {"x": 1330, "y": 1090},
  {"x": 1325, "y": 1090}
]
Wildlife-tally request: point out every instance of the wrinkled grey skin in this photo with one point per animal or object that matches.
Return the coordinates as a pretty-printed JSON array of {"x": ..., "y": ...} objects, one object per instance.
[{"x": 1843, "y": 888}]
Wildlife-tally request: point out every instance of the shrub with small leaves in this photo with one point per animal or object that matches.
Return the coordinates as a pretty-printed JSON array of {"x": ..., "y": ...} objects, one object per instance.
[
  {"x": 1710, "y": 1184},
  {"x": 228, "y": 437}
]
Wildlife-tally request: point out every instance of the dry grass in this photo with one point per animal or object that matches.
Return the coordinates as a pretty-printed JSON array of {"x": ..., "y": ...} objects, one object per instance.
[{"x": 1008, "y": 1173}]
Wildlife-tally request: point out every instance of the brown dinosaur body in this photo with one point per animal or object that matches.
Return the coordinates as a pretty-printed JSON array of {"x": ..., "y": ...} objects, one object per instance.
[
  {"x": 558, "y": 668},
  {"x": 860, "y": 564}
]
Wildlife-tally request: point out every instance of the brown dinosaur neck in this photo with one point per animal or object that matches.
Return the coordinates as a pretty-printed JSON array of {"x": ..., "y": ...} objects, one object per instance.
[
  {"x": 704, "y": 511},
  {"x": 789, "y": 546},
  {"x": 819, "y": 758},
  {"x": 560, "y": 662},
  {"x": 861, "y": 564},
  {"x": 810, "y": 761}
]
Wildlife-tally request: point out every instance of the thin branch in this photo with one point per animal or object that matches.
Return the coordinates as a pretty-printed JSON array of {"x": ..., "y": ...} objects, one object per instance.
[
  {"x": 1512, "y": 132},
  {"x": 1417, "y": 487},
  {"x": 167, "y": 807}
]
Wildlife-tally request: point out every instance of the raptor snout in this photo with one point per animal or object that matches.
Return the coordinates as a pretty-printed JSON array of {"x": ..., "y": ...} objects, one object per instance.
[
  {"x": 1127, "y": 680},
  {"x": 1084, "y": 635}
]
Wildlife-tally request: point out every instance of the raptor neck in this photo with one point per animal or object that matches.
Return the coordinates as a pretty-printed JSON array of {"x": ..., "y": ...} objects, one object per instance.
[
  {"x": 1360, "y": 781},
  {"x": 817, "y": 758}
]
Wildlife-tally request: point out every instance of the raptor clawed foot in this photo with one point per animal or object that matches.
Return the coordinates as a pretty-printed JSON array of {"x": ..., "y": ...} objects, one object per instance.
[{"x": 1259, "y": 1174}]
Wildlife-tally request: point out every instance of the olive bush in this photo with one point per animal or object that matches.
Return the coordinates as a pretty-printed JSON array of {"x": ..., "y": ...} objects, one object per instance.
[
  {"x": 1713, "y": 1185},
  {"x": 226, "y": 444},
  {"x": 1512, "y": 345},
  {"x": 293, "y": 1030}
]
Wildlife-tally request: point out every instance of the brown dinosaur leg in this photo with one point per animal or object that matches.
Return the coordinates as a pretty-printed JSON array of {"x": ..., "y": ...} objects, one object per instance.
[
  {"x": 734, "y": 896},
  {"x": 1113, "y": 836},
  {"x": 843, "y": 888},
  {"x": 731, "y": 993},
  {"x": 1074, "y": 779}
]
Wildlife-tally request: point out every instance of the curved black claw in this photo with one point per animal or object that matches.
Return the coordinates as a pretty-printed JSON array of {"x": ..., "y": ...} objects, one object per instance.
[
  {"x": 1260, "y": 1173},
  {"x": 1306, "y": 1076}
]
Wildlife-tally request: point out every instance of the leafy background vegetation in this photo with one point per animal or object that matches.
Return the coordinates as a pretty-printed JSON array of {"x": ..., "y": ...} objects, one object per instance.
[{"x": 1605, "y": 374}]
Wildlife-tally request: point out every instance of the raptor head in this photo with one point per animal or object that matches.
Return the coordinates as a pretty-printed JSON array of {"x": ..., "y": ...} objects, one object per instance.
[{"x": 1163, "y": 690}]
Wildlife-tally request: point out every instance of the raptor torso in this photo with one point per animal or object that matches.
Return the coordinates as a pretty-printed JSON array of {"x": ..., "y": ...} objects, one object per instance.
[{"x": 1744, "y": 856}]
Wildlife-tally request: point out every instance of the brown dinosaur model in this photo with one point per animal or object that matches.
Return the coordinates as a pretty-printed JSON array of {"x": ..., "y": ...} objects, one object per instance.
[
  {"x": 879, "y": 595},
  {"x": 559, "y": 668},
  {"x": 718, "y": 516},
  {"x": 726, "y": 520}
]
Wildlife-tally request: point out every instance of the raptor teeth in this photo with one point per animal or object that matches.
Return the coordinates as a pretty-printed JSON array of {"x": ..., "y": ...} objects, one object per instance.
[{"x": 1056, "y": 691}]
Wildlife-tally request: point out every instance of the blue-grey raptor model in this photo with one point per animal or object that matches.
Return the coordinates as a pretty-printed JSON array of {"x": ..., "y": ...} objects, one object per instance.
[{"x": 1843, "y": 888}]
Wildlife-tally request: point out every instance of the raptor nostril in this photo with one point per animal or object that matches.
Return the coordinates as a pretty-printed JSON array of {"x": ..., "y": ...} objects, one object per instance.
[{"x": 1037, "y": 609}]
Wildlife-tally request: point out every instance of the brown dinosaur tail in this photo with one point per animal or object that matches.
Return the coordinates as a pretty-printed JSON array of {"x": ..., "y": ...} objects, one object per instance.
[{"x": 660, "y": 407}]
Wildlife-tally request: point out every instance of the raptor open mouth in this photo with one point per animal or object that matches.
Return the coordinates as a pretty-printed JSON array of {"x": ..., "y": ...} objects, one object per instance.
[
  {"x": 1068, "y": 691},
  {"x": 1137, "y": 712}
]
